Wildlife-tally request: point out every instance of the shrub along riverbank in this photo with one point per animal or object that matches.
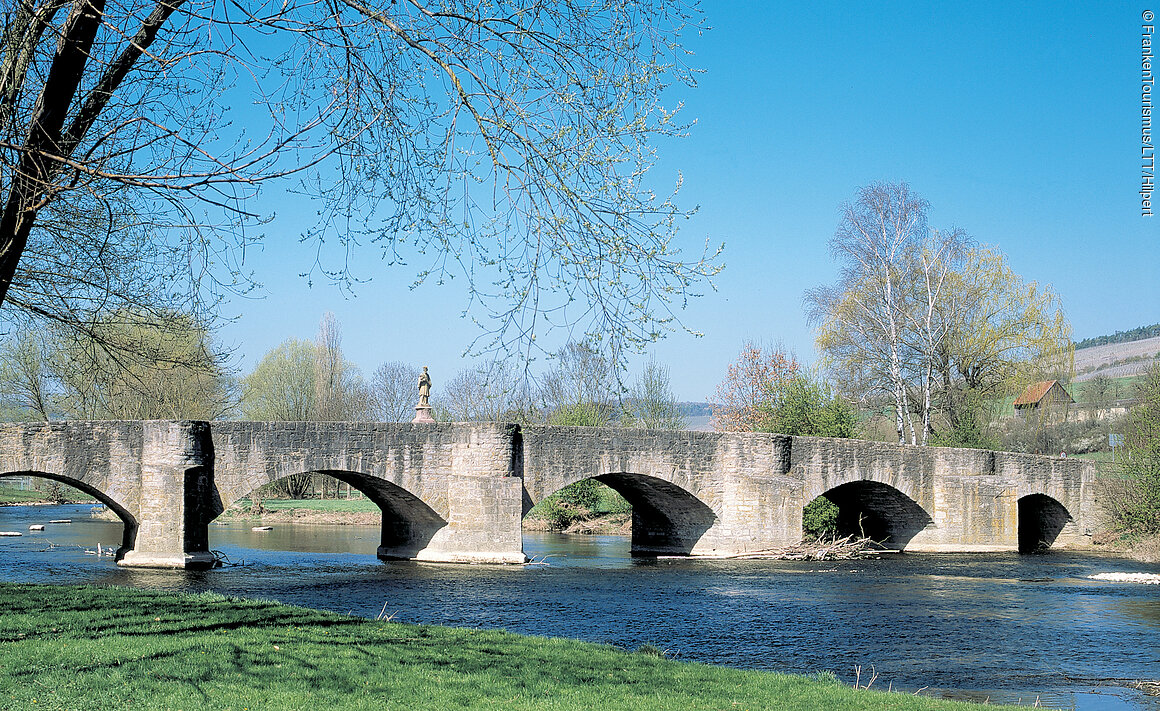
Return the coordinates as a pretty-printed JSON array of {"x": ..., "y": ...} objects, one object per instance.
[{"x": 67, "y": 647}]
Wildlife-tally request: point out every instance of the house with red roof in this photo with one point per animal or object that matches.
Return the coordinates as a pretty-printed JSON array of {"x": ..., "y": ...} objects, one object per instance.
[{"x": 1047, "y": 399}]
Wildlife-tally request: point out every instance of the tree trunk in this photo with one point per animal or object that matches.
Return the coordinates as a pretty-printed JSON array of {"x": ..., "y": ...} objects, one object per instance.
[{"x": 30, "y": 180}]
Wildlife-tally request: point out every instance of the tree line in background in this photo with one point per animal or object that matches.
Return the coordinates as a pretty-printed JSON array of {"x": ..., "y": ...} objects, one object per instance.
[
  {"x": 1135, "y": 334},
  {"x": 177, "y": 372}
]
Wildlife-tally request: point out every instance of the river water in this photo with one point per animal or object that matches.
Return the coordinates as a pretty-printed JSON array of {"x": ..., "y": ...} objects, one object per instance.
[{"x": 1003, "y": 627}]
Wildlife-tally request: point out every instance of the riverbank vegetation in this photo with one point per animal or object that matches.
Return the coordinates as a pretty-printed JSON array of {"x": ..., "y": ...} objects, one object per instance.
[
  {"x": 79, "y": 647},
  {"x": 1130, "y": 487},
  {"x": 39, "y": 491},
  {"x": 11, "y": 495},
  {"x": 930, "y": 320},
  {"x": 356, "y": 510},
  {"x": 584, "y": 507}
]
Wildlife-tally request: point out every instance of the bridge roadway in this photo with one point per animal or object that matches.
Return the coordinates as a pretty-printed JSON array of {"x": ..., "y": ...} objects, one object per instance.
[{"x": 458, "y": 492}]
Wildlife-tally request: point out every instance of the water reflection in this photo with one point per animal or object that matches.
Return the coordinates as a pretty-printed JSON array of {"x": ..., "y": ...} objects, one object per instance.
[{"x": 1003, "y": 627}]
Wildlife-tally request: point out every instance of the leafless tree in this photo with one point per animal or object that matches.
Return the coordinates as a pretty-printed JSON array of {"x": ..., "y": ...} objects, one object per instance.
[
  {"x": 939, "y": 257},
  {"x": 488, "y": 392},
  {"x": 580, "y": 387},
  {"x": 505, "y": 143},
  {"x": 393, "y": 391},
  {"x": 340, "y": 393}
]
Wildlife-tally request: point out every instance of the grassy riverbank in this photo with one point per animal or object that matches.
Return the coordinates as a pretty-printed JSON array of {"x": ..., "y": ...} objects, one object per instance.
[
  {"x": 10, "y": 495},
  {"x": 87, "y": 647},
  {"x": 330, "y": 511}
]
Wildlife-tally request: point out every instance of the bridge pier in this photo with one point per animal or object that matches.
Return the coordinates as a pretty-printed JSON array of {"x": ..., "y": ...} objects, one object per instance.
[
  {"x": 484, "y": 500},
  {"x": 483, "y": 526},
  {"x": 176, "y": 493}
]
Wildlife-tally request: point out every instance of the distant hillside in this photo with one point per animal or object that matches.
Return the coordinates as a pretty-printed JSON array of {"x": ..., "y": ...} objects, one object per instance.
[
  {"x": 1116, "y": 360},
  {"x": 697, "y": 415},
  {"x": 695, "y": 409},
  {"x": 1136, "y": 334}
]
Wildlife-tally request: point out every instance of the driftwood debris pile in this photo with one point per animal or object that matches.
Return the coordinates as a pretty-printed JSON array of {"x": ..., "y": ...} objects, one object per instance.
[{"x": 847, "y": 548}]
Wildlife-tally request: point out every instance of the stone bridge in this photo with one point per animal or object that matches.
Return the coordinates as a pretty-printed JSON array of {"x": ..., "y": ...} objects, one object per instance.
[{"x": 458, "y": 492}]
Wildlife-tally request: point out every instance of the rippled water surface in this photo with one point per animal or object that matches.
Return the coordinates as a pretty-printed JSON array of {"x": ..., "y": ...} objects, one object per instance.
[{"x": 999, "y": 626}]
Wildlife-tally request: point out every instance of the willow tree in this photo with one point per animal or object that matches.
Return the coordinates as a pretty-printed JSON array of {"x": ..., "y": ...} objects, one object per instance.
[
  {"x": 505, "y": 143},
  {"x": 168, "y": 371},
  {"x": 303, "y": 381},
  {"x": 1004, "y": 331}
]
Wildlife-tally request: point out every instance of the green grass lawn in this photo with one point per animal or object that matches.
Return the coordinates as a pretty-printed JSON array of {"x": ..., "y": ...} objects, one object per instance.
[
  {"x": 334, "y": 505},
  {"x": 13, "y": 495},
  {"x": 88, "y": 647},
  {"x": 1122, "y": 387},
  {"x": 9, "y": 495}
]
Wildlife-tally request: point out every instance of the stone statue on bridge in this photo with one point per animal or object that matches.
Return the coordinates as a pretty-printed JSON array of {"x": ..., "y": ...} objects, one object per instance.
[{"x": 423, "y": 409}]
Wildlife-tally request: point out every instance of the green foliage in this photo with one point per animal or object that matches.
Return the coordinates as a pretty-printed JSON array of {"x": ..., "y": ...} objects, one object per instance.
[
  {"x": 128, "y": 366},
  {"x": 585, "y": 494},
  {"x": 919, "y": 312},
  {"x": 581, "y": 501},
  {"x": 281, "y": 386},
  {"x": 806, "y": 407},
  {"x": 650, "y": 403},
  {"x": 558, "y": 516},
  {"x": 820, "y": 519},
  {"x": 97, "y": 647},
  {"x": 580, "y": 414},
  {"x": 1139, "y": 511},
  {"x": 969, "y": 428},
  {"x": 611, "y": 502},
  {"x": 303, "y": 381}
]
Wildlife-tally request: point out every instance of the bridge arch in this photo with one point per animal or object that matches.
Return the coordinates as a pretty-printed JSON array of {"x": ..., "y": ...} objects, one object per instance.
[
  {"x": 878, "y": 511},
  {"x": 129, "y": 535},
  {"x": 1041, "y": 519},
  {"x": 667, "y": 519},
  {"x": 408, "y": 523}
]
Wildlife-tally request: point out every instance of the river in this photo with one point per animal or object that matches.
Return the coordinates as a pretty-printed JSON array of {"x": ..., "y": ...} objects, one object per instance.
[{"x": 1005, "y": 627}]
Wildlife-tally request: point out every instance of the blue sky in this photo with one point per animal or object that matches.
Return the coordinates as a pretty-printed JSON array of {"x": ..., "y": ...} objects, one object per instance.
[{"x": 1018, "y": 122}]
